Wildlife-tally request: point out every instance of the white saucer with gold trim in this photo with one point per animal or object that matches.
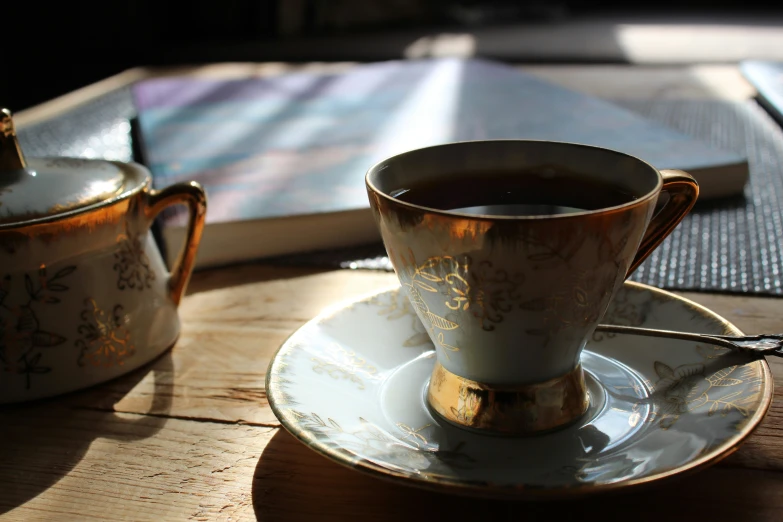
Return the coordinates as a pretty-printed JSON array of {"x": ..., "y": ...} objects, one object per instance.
[{"x": 351, "y": 385}]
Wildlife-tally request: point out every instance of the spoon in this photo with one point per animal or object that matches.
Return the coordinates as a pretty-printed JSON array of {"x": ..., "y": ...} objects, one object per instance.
[{"x": 767, "y": 344}]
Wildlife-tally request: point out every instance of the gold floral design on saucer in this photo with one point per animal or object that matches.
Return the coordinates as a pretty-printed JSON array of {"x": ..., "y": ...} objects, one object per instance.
[{"x": 697, "y": 402}]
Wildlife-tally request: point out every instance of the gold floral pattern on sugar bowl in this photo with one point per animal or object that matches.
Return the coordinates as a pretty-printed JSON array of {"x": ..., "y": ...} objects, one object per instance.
[
  {"x": 104, "y": 340},
  {"x": 131, "y": 263},
  {"x": 24, "y": 341},
  {"x": 84, "y": 293}
]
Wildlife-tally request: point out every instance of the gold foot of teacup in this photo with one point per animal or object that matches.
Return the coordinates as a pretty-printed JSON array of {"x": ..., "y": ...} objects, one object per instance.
[{"x": 518, "y": 410}]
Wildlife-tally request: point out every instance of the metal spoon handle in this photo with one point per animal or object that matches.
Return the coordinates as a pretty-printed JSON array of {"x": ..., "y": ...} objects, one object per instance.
[{"x": 768, "y": 344}]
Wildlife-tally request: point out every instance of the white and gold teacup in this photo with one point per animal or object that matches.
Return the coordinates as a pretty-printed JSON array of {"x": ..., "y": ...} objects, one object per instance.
[{"x": 509, "y": 301}]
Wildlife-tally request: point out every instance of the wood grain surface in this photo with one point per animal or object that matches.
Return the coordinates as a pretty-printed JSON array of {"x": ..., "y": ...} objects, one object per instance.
[{"x": 191, "y": 436}]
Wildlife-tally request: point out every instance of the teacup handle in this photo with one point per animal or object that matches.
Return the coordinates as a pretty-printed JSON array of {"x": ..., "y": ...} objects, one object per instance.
[
  {"x": 191, "y": 194},
  {"x": 683, "y": 192}
]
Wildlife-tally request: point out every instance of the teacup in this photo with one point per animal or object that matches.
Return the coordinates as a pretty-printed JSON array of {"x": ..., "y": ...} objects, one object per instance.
[{"x": 510, "y": 293}]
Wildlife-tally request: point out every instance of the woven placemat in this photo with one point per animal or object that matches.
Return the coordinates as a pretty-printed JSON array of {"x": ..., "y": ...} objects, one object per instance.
[{"x": 730, "y": 246}]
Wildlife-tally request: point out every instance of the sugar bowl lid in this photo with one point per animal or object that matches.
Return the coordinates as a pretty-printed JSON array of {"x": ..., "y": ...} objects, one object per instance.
[{"x": 39, "y": 188}]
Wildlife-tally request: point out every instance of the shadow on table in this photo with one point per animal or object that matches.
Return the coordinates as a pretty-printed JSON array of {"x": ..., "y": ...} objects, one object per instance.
[
  {"x": 244, "y": 274},
  {"x": 42, "y": 441},
  {"x": 292, "y": 482},
  {"x": 726, "y": 203}
]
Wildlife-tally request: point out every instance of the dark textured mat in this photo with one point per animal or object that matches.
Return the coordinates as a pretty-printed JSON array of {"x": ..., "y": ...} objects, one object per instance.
[{"x": 730, "y": 246}]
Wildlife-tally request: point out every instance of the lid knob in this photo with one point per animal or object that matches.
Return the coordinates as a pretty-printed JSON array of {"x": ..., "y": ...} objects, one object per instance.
[{"x": 11, "y": 157}]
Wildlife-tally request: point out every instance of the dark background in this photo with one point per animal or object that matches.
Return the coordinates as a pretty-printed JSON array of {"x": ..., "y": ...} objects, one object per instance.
[{"x": 53, "y": 49}]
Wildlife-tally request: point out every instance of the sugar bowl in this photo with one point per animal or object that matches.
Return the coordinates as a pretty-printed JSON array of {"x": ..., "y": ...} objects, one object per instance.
[{"x": 84, "y": 293}]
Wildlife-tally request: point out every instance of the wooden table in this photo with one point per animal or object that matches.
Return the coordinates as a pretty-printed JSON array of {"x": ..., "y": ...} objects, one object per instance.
[{"x": 191, "y": 436}]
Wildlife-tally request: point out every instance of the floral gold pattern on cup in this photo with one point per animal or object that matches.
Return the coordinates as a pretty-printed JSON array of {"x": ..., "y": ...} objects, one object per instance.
[{"x": 511, "y": 300}]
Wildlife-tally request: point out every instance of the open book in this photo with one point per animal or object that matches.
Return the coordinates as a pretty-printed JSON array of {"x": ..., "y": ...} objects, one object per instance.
[{"x": 283, "y": 158}]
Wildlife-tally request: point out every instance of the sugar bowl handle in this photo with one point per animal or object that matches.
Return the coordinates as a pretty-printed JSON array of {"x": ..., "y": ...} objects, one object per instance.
[{"x": 193, "y": 196}]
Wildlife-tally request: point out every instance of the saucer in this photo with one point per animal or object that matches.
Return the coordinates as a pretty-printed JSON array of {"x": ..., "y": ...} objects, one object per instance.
[{"x": 351, "y": 385}]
